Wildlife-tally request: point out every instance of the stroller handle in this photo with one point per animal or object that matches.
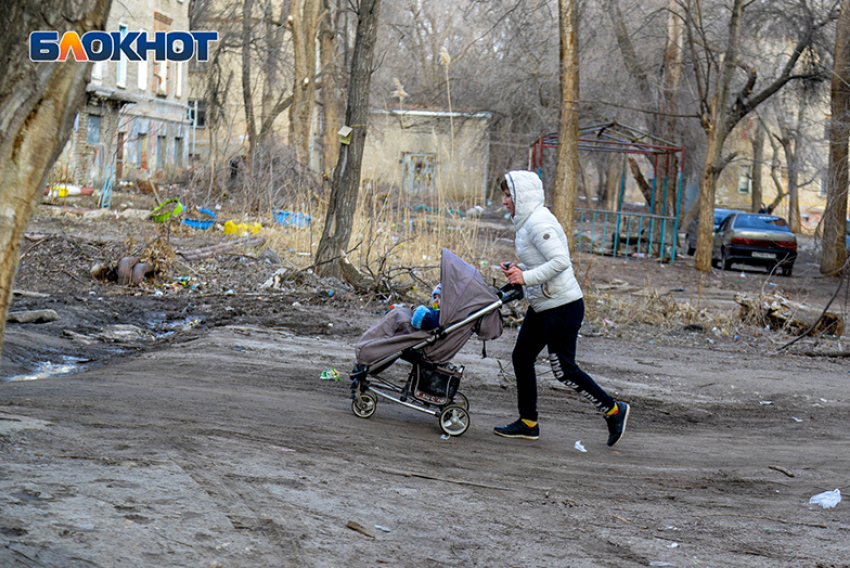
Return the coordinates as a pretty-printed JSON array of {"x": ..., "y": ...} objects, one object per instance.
[{"x": 510, "y": 293}]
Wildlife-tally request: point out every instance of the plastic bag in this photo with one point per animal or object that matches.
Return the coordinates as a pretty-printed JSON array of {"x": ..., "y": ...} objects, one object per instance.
[{"x": 827, "y": 499}]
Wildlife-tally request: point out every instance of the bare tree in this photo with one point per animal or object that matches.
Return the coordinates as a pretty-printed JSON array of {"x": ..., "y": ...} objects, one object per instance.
[
  {"x": 715, "y": 124},
  {"x": 304, "y": 22},
  {"x": 720, "y": 111},
  {"x": 567, "y": 172},
  {"x": 834, "y": 254},
  {"x": 38, "y": 102},
  {"x": 346, "y": 181},
  {"x": 330, "y": 94}
]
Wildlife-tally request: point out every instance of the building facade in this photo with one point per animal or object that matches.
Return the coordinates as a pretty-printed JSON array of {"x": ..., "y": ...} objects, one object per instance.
[
  {"x": 432, "y": 155},
  {"x": 136, "y": 123}
]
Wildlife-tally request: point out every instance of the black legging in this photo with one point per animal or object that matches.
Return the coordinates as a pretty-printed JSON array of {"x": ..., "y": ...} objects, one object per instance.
[{"x": 557, "y": 329}]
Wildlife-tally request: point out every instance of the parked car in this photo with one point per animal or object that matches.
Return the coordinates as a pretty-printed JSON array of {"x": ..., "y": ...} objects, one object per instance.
[
  {"x": 756, "y": 240},
  {"x": 693, "y": 227}
]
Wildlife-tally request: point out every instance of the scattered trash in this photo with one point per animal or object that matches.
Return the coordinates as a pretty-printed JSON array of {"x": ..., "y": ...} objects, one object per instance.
[
  {"x": 827, "y": 499},
  {"x": 163, "y": 213},
  {"x": 445, "y": 437},
  {"x": 201, "y": 223},
  {"x": 291, "y": 218},
  {"x": 380, "y": 528},
  {"x": 231, "y": 228},
  {"x": 332, "y": 375},
  {"x": 797, "y": 419},
  {"x": 660, "y": 563},
  {"x": 673, "y": 545},
  {"x": 765, "y": 402},
  {"x": 278, "y": 448},
  {"x": 579, "y": 447}
]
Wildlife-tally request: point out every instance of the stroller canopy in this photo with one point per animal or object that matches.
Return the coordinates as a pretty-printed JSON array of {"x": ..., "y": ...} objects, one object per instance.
[{"x": 464, "y": 293}]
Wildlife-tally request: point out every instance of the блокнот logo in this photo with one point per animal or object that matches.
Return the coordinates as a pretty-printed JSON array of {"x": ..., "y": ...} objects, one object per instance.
[{"x": 106, "y": 46}]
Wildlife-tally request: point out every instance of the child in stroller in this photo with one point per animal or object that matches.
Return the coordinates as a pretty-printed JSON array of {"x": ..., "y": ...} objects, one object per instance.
[
  {"x": 428, "y": 318},
  {"x": 467, "y": 305}
]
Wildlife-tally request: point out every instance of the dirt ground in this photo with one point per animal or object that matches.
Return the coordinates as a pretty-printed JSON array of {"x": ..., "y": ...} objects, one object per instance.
[{"x": 172, "y": 426}]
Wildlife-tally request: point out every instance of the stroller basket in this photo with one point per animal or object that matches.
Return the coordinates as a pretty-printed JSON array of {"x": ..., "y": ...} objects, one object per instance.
[{"x": 438, "y": 384}]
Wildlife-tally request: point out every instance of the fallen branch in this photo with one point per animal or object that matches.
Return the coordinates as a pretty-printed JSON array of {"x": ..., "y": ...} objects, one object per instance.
[
  {"x": 764, "y": 518},
  {"x": 459, "y": 482},
  {"x": 823, "y": 313},
  {"x": 782, "y": 470},
  {"x": 215, "y": 250},
  {"x": 780, "y": 312},
  {"x": 355, "y": 526},
  {"x": 823, "y": 353}
]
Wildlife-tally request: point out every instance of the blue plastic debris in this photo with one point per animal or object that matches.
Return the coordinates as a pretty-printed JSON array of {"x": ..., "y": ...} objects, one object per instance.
[
  {"x": 201, "y": 223},
  {"x": 198, "y": 224},
  {"x": 291, "y": 218}
]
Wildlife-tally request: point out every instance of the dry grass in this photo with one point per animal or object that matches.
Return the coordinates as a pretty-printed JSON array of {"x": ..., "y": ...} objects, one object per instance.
[
  {"x": 395, "y": 239},
  {"x": 650, "y": 308}
]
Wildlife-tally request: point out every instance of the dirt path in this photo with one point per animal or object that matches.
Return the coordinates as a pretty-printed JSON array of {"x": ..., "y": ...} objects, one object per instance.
[
  {"x": 229, "y": 451},
  {"x": 197, "y": 433}
]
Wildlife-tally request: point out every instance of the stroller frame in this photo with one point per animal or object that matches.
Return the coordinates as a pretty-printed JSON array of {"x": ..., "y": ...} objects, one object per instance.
[{"x": 452, "y": 407}]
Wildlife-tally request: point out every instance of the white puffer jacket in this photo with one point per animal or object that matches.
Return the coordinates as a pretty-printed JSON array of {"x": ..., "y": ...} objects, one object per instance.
[{"x": 541, "y": 246}]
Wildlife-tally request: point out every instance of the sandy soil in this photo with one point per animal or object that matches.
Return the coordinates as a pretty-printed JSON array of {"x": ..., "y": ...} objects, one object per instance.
[{"x": 195, "y": 431}]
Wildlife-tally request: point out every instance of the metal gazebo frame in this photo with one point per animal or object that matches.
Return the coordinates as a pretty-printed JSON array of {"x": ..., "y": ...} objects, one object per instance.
[{"x": 619, "y": 138}]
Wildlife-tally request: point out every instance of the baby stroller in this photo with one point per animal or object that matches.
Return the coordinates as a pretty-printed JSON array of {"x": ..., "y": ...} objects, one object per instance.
[{"x": 468, "y": 306}]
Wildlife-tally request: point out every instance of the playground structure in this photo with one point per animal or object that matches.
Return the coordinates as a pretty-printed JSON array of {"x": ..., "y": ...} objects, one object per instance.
[{"x": 638, "y": 232}]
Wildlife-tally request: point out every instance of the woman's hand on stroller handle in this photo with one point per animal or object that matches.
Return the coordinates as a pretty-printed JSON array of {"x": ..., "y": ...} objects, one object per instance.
[{"x": 513, "y": 273}]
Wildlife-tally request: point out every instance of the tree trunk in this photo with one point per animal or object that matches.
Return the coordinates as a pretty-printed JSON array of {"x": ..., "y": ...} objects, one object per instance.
[
  {"x": 305, "y": 25},
  {"x": 834, "y": 252},
  {"x": 247, "y": 96},
  {"x": 346, "y": 181},
  {"x": 758, "y": 161},
  {"x": 666, "y": 174},
  {"x": 613, "y": 180},
  {"x": 716, "y": 132},
  {"x": 38, "y": 102},
  {"x": 566, "y": 173},
  {"x": 330, "y": 106}
]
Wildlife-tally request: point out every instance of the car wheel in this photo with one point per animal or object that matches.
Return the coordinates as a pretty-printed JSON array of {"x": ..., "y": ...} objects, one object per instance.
[
  {"x": 691, "y": 248},
  {"x": 727, "y": 262},
  {"x": 787, "y": 270}
]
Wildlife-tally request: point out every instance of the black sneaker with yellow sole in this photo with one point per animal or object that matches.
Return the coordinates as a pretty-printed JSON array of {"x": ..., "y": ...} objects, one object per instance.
[
  {"x": 617, "y": 423},
  {"x": 518, "y": 429}
]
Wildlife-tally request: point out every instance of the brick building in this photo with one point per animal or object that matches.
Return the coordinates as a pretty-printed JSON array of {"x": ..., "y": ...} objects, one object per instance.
[{"x": 136, "y": 123}]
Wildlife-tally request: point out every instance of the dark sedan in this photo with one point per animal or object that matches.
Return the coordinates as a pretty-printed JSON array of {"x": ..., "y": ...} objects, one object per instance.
[
  {"x": 693, "y": 227},
  {"x": 755, "y": 240}
]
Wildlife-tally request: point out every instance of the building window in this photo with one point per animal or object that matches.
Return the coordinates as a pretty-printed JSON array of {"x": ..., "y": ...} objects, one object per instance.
[
  {"x": 143, "y": 75},
  {"x": 160, "y": 152},
  {"x": 160, "y": 77},
  {"x": 199, "y": 119},
  {"x": 93, "y": 129},
  {"x": 121, "y": 79},
  {"x": 743, "y": 184},
  {"x": 178, "y": 81},
  {"x": 822, "y": 188},
  {"x": 143, "y": 151},
  {"x": 178, "y": 153}
]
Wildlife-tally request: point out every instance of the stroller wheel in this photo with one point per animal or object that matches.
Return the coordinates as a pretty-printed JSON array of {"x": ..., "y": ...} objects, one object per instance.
[
  {"x": 461, "y": 400},
  {"x": 454, "y": 420},
  {"x": 364, "y": 405}
]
